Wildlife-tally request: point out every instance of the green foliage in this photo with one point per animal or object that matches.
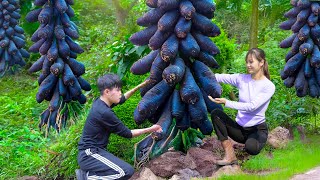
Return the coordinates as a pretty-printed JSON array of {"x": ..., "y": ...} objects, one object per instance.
[
  {"x": 271, "y": 11},
  {"x": 96, "y": 23},
  {"x": 137, "y": 11},
  {"x": 61, "y": 161},
  {"x": 106, "y": 43},
  {"x": 96, "y": 27},
  {"x": 123, "y": 54},
  {"x": 190, "y": 138},
  {"x": 26, "y": 6},
  {"x": 230, "y": 4},
  {"x": 227, "y": 60},
  {"x": 234, "y": 16},
  {"x": 21, "y": 144},
  {"x": 22, "y": 151},
  {"x": 227, "y": 48}
]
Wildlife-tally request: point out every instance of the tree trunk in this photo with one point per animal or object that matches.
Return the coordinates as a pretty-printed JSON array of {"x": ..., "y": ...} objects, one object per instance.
[
  {"x": 254, "y": 24},
  {"x": 122, "y": 13}
]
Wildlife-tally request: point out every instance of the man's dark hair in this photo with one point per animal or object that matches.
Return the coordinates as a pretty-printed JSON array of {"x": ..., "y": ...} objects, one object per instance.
[{"x": 109, "y": 81}]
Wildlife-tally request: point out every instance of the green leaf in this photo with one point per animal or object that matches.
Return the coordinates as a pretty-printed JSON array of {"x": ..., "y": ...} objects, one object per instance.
[
  {"x": 140, "y": 50},
  {"x": 114, "y": 43},
  {"x": 133, "y": 49},
  {"x": 122, "y": 67},
  {"x": 114, "y": 58}
]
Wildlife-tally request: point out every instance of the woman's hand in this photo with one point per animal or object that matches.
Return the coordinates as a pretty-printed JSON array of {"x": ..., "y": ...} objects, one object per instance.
[{"x": 218, "y": 100}]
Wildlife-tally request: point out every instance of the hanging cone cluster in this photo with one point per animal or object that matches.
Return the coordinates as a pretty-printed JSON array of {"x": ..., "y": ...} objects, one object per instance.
[
  {"x": 302, "y": 69},
  {"x": 60, "y": 81},
  {"x": 178, "y": 33},
  {"x": 12, "y": 39}
]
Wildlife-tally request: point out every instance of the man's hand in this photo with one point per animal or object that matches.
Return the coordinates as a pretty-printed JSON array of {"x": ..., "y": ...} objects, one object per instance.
[
  {"x": 156, "y": 128},
  {"x": 218, "y": 100},
  {"x": 146, "y": 82},
  {"x": 128, "y": 94}
]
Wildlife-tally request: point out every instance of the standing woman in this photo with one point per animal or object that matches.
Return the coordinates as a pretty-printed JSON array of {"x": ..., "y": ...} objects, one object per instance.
[{"x": 255, "y": 92}]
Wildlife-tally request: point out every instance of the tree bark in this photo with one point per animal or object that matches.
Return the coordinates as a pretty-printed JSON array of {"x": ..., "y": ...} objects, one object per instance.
[
  {"x": 122, "y": 13},
  {"x": 254, "y": 24}
]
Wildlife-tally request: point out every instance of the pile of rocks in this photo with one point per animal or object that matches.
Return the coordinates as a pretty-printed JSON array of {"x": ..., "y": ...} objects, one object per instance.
[{"x": 200, "y": 162}]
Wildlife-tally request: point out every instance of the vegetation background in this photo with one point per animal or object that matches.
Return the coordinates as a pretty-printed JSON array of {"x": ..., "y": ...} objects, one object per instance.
[{"x": 105, "y": 26}]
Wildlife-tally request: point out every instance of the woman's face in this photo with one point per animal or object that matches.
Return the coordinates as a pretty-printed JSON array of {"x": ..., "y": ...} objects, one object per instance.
[{"x": 253, "y": 65}]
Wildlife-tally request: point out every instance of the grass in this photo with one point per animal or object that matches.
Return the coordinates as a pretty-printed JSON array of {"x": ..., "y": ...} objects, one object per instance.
[
  {"x": 21, "y": 143},
  {"x": 296, "y": 158}
]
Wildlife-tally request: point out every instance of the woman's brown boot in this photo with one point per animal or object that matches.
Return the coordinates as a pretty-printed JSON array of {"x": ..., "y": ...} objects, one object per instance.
[{"x": 229, "y": 157}]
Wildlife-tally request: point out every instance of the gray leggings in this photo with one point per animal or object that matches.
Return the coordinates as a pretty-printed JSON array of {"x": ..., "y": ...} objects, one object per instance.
[{"x": 254, "y": 137}]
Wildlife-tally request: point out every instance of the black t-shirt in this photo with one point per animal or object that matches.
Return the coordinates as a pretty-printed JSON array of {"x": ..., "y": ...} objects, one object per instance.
[{"x": 100, "y": 123}]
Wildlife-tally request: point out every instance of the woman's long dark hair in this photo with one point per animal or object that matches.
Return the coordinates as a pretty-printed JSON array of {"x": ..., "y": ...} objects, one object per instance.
[{"x": 261, "y": 56}]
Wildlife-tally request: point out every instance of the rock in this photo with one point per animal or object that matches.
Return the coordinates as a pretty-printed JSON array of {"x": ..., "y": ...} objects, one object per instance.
[
  {"x": 197, "y": 163},
  {"x": 146, "y": 174},
  {"x": 177, "y": 177},
  {"x": 203, "y": 159},
  {"x": 212, "y": 144},
  {"x": 313, "y": 174},
  {"x": 186, "y": 174},
  {"x": 189, "y": 172},
  {"x": 135, "y": 176},
  {"x": 29, "y": 178},
  {"x": 227, "y": 170},
  {"x": 170, "y": 163},
  {"x": 278, "y": 137}
]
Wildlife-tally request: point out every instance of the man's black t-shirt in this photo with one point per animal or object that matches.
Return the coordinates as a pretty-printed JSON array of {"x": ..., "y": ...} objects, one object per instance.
[{"x": 100, "y": 123}]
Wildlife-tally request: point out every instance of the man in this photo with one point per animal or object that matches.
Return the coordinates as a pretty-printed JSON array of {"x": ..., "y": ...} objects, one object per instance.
[{"x": 94, "y": 161}]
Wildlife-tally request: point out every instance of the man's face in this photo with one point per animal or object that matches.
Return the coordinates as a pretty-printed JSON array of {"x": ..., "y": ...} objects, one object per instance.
[{"x": 114, "y": 95}]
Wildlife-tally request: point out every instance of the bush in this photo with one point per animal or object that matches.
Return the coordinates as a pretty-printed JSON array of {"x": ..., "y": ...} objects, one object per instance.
[{"x": 227, "y": 49}]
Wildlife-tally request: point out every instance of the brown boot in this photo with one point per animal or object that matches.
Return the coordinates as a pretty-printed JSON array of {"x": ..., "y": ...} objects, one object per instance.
[{"x": 229, "y": 157}]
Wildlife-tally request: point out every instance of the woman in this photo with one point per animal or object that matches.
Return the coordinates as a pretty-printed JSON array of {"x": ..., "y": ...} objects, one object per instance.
[{"x": 255, "y": 92}]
